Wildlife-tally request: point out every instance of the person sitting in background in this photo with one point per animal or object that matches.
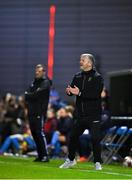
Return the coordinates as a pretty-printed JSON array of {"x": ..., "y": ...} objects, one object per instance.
[
  {"x": 13, "y": 116},
  {"x": 50, "y": 125},
  {"x": 18, "y": 143},
  {"x": 61, "y": 136},
  {"x": 69, "y": 110}
]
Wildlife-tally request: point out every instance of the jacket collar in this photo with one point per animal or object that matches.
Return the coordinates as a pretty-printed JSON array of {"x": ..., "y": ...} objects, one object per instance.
[{"x": 92, "y": 71}]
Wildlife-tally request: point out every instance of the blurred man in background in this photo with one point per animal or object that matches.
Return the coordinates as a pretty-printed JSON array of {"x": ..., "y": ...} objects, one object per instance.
[{"x": 37, "y": 97}]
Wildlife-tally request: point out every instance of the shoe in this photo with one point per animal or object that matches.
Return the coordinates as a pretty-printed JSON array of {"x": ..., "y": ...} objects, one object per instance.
[
  {"x": 68, "y": 163},
  {"x": 44, "y": 159},
  {"x": 98, "y": 166}
]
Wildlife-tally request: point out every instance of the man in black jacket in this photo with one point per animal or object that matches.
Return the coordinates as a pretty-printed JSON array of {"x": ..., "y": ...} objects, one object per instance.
[
  {"x": 37, "y": 97},
  {"x": 87, "y": 86}
]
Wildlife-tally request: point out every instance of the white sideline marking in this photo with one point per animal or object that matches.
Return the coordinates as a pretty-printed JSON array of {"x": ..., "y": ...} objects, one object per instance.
[
  {"x": 85, "y": 170},
  {"x": 106, "y": 172}
]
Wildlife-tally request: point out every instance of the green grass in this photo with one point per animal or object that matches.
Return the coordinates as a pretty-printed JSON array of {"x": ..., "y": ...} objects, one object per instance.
[{"x": 24, "y": 168}]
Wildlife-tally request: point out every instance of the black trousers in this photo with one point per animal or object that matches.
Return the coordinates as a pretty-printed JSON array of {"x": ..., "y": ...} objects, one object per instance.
[
  {"x": 36, "y": 126},
  {"x": 78, "y": 128}
]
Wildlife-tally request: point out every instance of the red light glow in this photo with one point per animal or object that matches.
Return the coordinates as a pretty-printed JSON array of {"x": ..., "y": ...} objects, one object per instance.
[{"x": 51, "y": 41}]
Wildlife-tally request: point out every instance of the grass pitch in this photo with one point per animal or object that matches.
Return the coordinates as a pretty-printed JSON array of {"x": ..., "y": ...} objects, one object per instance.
[{"x": 25, "y": 168}]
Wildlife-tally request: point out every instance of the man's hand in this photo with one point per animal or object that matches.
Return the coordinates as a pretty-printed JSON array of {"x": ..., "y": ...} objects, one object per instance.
[
  {"x": 68, "y": 90},
  {"x": 75, "y": 90}
]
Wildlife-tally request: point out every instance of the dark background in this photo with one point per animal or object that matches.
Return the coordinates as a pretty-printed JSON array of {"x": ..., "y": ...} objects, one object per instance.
[
  {"x": 121, "y": 93},
  {"x": 101, "y": 27}
]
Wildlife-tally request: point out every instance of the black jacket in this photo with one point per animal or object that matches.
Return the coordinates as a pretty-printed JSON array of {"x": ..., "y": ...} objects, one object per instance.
[
  {"x": 90, "y": 84},
  {"x": 37, "y": 96}
]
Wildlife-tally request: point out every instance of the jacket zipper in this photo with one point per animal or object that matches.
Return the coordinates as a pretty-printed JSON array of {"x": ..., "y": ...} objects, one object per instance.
[{"x": 82, "y": 89}]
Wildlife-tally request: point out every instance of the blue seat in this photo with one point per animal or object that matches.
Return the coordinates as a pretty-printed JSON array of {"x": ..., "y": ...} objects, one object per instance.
[
  {"x": 129, "y": 132},
  {"x": 112, "y": 147},
  {"x": 109, "y": 137}
]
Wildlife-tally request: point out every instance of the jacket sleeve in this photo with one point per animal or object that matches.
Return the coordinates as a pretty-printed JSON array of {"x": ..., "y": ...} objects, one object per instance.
[
  {"x": 42, "y": 90},
  {"x": 94, "y": 90}
]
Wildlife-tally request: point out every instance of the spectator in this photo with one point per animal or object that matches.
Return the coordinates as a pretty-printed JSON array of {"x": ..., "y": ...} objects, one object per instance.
[
  {"x": 18, "y": 142},
  {"x": 61, "y": 136},
  {"x": 50, "y": 125}
]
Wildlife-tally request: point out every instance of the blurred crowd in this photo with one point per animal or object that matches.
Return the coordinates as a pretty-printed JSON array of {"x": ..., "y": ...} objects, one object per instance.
[{"x": 15, "y": 135}]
